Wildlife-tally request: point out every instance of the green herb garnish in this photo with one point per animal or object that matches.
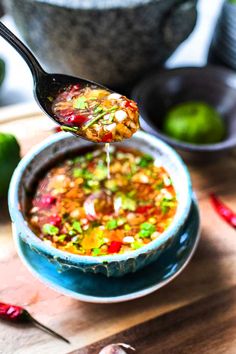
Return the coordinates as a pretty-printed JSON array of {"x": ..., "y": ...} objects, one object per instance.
[
  {"x": 95, "y": 119},
  {"x": 166, "y": 204},
  {"x": 96, "y": 252},
  {"x": 69, "y": 129},
  {"x": 61, "y": 238},
  {"x": 77, "y": 227},
  {"x": 112, "y": 224},
  {"x": 145, "y": 160},
  {"x": 80, "y": 103},
  {"x": 147, "y": 230},
  {"x": 49, "y": 229}
]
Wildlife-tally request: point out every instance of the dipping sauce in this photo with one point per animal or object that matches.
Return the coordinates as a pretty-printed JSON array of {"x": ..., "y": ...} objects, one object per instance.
[
  {"x": 96, "y": 114},
  {"x": 78, "y": 210}
]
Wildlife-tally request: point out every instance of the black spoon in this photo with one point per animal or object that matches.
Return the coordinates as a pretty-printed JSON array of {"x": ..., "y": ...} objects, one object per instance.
[{"x": 45, "y": 84}]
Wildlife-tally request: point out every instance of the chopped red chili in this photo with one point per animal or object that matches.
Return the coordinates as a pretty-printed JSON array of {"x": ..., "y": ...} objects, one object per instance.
[
  {"x": 223, "y": 210},
  {"x": 107, "y": 138},
  {"x": 114, "y": 247},
  {"x": 143, "y": 209},
  {"x": 76, "y": 119},
  {"x": 55, "y": 220}
]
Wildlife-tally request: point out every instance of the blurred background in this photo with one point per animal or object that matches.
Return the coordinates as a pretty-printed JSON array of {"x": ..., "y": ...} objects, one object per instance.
[{"x": 17, "y": 86}]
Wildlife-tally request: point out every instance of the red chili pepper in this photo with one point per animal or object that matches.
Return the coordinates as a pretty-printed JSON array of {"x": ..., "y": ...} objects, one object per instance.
[
  {"x": 107, "y": 138},
  {"x": 75, "y": 87},
  {"x": 55, "y": 220},
  {"x": 143, "y": 209},
  {"x": 114, "y": 247},
  {"x": 225, "y": 212},
  {"x": 76, "y": 119},
  {"x": 57, "y": 129},
  {"x": 131, "y": 104},
  {"x": 18, "y": 314}
]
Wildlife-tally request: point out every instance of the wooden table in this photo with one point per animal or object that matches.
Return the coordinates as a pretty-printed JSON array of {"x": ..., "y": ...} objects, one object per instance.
[{"x": 196, "y": 313}]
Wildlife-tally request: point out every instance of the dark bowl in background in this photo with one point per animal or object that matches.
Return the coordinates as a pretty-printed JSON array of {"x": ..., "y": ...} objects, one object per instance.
[
  {"x": 113, "y": 42},
  {"x": 157, "y": 93}
]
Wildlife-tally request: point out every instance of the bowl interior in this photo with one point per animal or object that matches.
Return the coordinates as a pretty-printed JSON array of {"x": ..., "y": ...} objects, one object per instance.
[
  {"x": 163, "y": 90},
  {"x": 63, "y": 145}
]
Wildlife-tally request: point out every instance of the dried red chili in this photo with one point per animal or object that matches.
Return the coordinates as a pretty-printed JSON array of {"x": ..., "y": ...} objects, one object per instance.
[
  {"x": 223, "y": 210},
  {"x": 18, "y": 314}
]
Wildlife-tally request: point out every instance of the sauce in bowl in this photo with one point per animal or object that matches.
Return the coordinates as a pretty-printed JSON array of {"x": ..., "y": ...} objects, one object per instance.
[
  {"x": 77, "y": 209},
  {"x": 96, "y": 114}
]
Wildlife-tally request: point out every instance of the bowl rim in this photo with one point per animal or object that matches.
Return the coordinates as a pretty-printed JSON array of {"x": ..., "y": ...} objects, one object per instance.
[
  {"x": 98, "y": 4},
  {"x": 150, "y": 128},
  {"x": 27, "y": 234}
]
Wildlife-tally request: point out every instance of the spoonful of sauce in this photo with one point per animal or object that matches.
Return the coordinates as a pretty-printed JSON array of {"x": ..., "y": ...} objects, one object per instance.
[{"x": 80, "y": 106}]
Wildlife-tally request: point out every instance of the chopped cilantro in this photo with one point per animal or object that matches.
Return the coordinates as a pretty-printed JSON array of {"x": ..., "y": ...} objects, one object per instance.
[
  {"x": 96, "y": 252},
  {"x": 166, "y": 203},
  {"x": 79, "y": 172},
  {"x": 87, "y": 174},
  {"x": 144, "y": 233},
  {"x": 80, "y": 103},
  {"x": 49, "y": 229},
  {"x": 112, "y": 224},
  {"x": 145, "y": 160},
  {"x": 146, "y": 230},
  {"x": 77, "y": 227},
  {"x": 61, "y": 238}
]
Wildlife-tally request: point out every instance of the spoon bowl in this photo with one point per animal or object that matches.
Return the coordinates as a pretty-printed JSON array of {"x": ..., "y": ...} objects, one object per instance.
[{"x": 47, "y": 85}]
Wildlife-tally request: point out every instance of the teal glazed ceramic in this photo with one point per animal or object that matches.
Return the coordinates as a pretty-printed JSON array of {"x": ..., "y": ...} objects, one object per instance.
[
  {"x": 62, "y": 145},
  {"x": 100, "y": 289}
]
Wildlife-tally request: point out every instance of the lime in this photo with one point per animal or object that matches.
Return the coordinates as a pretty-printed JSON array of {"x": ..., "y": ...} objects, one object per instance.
[
  {"x": 2, "y": 70},
  {"x": 9, "y": 158},
  {"x": 194, "y": 122}
]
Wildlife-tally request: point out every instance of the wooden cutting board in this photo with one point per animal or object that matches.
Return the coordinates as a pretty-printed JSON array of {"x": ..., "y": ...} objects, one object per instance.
[{"x": 196, "y": 313}]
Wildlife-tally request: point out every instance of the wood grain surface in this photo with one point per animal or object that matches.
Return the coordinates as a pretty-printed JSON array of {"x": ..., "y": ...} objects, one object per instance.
[{"x": 196, "y": 313}]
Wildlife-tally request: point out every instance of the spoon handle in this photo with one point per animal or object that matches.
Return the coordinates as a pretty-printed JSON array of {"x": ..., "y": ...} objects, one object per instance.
[{"x": 26, "y": 54}]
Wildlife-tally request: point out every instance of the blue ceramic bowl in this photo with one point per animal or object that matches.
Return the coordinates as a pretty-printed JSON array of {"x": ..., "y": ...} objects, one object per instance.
[{"x": 61, "y": 145}]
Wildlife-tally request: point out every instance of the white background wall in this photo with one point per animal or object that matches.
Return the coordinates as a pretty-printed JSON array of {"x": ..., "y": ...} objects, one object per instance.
[{"x": 18, "y": 84}]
